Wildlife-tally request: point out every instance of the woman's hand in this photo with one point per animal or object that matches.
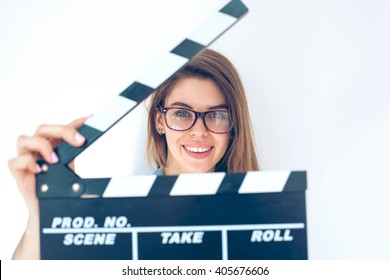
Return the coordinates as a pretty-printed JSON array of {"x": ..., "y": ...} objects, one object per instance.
[{"x": 24, "y": 168}]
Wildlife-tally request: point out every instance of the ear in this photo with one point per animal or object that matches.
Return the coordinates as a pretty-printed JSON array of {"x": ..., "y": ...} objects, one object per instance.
[{"x": 159, "y": 119}]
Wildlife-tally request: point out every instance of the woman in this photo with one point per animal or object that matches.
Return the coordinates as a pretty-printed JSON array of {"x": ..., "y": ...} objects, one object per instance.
[
  {"x": 209, "y": 83},
  {"x": 198, "y": 122}
]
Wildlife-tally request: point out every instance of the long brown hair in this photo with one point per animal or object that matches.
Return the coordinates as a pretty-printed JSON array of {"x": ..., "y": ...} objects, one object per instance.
[{"x": 240, "y": 155}]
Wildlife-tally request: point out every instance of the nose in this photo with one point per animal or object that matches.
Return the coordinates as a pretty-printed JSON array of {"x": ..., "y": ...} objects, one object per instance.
[{"x": 199, "y": 129}]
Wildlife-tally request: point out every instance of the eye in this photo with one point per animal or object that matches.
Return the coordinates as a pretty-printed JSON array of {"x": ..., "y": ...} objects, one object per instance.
[
  {"x": 182, "y": 113},
  {"x": 217, "y": 115}
]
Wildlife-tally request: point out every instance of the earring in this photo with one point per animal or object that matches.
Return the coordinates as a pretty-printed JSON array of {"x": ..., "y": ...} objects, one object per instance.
[{"x": 159, "y": 130}]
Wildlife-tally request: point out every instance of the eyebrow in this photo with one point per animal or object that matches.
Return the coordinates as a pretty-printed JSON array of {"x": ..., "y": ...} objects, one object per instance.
[{"x": 182, "y": 104}]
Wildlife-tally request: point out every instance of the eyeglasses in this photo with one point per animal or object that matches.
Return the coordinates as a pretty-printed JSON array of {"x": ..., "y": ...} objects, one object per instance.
[{"x": 182, "y": 119}]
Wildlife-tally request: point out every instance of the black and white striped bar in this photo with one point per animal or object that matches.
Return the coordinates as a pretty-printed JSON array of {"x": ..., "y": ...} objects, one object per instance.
[
  {"x": 206, "y": 184},
  {"x": 194, "y": 184},
  {"x": 159, "y": 72}
]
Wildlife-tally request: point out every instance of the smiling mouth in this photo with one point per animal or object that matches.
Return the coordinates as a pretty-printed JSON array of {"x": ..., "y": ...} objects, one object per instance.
[{"x": 197, "y": 149}]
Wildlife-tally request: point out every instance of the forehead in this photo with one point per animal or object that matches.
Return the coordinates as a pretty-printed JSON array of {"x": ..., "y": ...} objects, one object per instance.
[{"x": 198, "y": 93}]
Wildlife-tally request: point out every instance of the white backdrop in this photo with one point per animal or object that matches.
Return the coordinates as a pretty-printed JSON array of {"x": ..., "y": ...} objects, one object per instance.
[{"x": 316, "y": 74}]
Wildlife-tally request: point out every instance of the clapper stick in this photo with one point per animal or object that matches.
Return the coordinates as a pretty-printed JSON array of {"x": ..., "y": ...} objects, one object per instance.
[
  {"x": 125, "y": 102},
  {"x": 160, "y": 71},
  {"x": 253, "y": 215}
]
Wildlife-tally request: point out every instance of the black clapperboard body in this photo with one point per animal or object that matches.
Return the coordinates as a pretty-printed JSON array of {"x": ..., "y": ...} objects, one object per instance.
[{"x": 253, "y": 215}]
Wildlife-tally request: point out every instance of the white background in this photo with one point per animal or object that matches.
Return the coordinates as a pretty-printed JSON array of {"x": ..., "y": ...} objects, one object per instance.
[{"x": 317, "y": 79}]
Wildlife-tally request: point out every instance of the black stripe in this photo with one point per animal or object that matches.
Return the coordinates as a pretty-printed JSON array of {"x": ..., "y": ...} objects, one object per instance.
[
  {"x": 162, "y": 185},
  {"x": 231, "y": 183},
  {"x": 67, "y": 153},
  {"x": 187, "y": 49},
  {"x": 296, "y": 181},
  {"x": 95, "y": 186},
  {"x": 137, "y": 92},
  {"x": 235, "y": 9}
]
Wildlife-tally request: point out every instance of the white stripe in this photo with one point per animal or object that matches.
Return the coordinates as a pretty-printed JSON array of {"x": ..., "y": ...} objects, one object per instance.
[
  {"x": 224, "y": 244},
  {"x": 261, "y": 182},
  {"x": 212, "y": 28},
  {"x": 161, "y": 70},
  {"x": 175, "y": 228},
  {"x": 197, "y": 184},
  {"x": 132, "y": 186},
  {"x": 111, "y": 113},
  {"x": 134, "y": 249}
]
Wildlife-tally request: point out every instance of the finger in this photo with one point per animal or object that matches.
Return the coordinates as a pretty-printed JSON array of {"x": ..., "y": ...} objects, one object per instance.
[
  {"x": 78, "y": 122},
  {"x": 23, "y": 163},
  {"x": 56, "y": 133},
  {"x": 32, "y": 145}
]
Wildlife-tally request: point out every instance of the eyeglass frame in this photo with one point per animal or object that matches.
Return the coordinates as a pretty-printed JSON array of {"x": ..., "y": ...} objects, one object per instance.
[{"x": 164, "y": 110}]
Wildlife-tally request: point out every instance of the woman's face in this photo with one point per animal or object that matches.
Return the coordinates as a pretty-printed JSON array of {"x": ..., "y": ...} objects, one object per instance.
[{"x": 196, "y": 150}]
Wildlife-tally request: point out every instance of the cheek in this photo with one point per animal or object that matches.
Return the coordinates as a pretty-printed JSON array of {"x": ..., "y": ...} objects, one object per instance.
[
  {"x": 223, "y": 140},
  {"x": 172, "y": 138}
]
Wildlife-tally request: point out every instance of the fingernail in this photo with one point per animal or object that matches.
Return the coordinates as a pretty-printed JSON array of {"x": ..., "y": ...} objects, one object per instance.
[
  {"x": 79, "y": 138},
  {"x": 38, "y": 168},
  {"x": 54, "y": 157}
]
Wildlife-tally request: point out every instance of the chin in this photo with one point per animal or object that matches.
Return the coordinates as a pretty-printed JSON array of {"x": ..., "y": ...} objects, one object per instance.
[{"x": 199, "y": 170}]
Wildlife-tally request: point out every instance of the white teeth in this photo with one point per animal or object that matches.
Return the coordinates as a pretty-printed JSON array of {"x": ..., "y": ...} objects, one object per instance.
[{"x": 197, "y": 149}]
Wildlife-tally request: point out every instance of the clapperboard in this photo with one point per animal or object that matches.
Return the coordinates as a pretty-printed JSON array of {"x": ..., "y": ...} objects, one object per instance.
[{"x": 253, "y": 215}]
